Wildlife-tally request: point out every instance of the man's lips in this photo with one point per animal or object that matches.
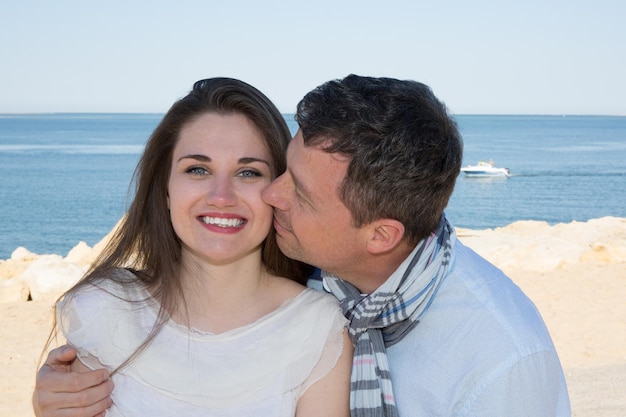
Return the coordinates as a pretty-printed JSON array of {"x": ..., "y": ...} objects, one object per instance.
[{"x": 279, "y": 225}]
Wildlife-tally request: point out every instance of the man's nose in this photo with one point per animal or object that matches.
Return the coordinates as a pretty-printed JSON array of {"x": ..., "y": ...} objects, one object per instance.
[{"x": 272, "y": 196}]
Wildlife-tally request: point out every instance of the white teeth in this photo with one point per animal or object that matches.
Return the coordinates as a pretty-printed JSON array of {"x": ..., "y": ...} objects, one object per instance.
[{"x": 221, "y": 222}]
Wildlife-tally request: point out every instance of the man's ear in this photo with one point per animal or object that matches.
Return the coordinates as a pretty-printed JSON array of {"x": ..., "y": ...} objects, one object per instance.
[{"x": 384, "y": 235}]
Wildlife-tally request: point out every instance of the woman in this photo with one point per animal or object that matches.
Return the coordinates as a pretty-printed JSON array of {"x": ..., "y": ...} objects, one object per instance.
[{"x": 189, "y": 305}]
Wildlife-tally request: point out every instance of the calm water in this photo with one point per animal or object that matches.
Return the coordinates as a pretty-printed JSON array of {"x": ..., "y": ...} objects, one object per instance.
[
  {"x": 65, "y": 177},
  {"x": 563, "y": 169}
]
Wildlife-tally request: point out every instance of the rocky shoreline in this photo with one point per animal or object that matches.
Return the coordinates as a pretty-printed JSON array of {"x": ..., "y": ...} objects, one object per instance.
[{"x": 574, "y": 272}]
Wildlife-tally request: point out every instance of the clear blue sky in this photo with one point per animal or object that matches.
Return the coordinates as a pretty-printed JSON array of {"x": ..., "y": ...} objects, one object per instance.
[{"x": 494, "y": 57}]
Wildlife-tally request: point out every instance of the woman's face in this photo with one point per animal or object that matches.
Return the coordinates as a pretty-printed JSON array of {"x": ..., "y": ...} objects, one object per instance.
[{"x": 220, "y": 165}]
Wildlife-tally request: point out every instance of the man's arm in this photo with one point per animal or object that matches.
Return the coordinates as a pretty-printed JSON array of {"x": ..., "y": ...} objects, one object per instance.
[
  {"x": 532, "y": 386},
  {"x": 60, "y": 392}
]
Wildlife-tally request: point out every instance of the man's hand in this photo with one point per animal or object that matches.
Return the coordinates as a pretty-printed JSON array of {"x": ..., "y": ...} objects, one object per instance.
[{"x": 60, "y": 392}]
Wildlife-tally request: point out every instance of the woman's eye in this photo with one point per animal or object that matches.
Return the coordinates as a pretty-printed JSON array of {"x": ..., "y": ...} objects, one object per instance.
[
  {"x": 250, "y": 173},
  {"x": 197, "y": 170}
]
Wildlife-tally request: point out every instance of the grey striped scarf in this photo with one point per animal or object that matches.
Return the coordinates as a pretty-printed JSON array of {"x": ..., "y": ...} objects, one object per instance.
[{"x": 384, "y": 317}]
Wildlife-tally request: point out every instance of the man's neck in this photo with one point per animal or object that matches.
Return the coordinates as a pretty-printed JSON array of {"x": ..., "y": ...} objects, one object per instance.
[{"x": 370, "y": 273}]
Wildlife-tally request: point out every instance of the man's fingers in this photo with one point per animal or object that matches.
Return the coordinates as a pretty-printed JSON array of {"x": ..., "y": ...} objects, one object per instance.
[
  {"x": 70, "y": 382},
  {"x": 90, "y": 402},
  {"x": 60, "y": 358},
  {"x": 97, "y": 410},
  {"x": 61, "y": 393},
  {"x": 77, "y": 403}
]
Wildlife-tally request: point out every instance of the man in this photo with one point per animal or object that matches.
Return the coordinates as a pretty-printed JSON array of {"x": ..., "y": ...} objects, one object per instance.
[{"x": 437, "y": 329}]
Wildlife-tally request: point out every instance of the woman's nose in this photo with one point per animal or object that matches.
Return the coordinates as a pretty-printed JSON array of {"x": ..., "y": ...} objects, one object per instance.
[{"x": 221, "y": 192}]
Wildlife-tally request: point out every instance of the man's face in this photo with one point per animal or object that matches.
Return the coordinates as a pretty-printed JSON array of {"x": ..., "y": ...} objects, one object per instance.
[{"x": 312, "y": 223}]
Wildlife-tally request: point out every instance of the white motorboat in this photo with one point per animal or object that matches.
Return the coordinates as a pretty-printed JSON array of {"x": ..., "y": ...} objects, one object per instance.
[{"x": 485, "y": 169}]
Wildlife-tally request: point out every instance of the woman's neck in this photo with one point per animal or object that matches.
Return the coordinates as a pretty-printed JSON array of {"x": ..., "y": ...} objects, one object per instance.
[{"x": 218, "y": 298}]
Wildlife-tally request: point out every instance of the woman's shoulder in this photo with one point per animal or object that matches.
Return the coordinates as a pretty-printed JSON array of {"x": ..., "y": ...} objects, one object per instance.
[
  {"x": 294, "y": 300},
  {"x": 320, "y": 300},
  {"x": 111, "y": 291},
  {"x": 119, "y": 282},
  {"x": 288, "y": 290},
  {"x": 107, "y": 317}
]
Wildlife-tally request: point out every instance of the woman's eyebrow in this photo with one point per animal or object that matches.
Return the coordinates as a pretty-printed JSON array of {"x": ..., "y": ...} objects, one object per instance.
[
  {"x": 244, "y": 160},
  {"x": 197, "y": 157}
]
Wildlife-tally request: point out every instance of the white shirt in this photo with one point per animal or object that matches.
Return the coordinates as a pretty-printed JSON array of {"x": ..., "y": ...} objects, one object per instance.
[
  {"x": 481, "y": 349},
  {"x": 257, "y": 370}
]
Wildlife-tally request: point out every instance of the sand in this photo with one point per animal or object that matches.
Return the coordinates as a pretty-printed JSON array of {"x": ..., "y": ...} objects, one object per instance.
[{"x": 575, "y": 273}]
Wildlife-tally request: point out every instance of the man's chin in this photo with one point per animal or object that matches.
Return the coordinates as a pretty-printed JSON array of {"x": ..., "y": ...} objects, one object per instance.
[
  {"x": 282, "y": 244},
  {"x": 288, "y": 248}
]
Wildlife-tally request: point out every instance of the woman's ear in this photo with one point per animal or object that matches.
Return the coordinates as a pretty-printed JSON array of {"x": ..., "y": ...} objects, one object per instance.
[{"x": 384, "y": 235}]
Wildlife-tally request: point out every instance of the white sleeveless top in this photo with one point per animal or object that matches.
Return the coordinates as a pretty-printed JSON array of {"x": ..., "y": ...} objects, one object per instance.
[{"x": 257, "y": 370}]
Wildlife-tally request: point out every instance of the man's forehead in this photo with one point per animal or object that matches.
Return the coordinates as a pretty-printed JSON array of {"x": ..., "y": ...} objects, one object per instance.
[
  {"x": 297, "y": 148},
  {"x": 298, "y": 156}
]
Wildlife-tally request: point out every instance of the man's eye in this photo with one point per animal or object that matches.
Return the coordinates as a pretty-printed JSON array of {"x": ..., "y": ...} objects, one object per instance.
[{"x": 300, "y": 198}]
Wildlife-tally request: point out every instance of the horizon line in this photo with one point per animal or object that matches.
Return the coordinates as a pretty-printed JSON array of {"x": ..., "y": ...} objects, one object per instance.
[{"x": 283, "y": 113}]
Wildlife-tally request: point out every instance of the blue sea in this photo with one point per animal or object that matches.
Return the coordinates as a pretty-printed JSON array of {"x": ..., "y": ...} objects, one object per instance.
[{"x": 65, "y": 177}]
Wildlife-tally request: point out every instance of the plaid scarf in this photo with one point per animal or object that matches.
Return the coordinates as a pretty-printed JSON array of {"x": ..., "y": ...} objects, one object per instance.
[{"x": 384, "y": 317}]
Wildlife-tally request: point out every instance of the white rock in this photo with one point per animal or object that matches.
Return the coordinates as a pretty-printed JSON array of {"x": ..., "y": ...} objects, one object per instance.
[
  {"x": 13, "y": 290},
  {"x": 21, "y": 253},
  {"x": 80, "y": 254},
  {"x": 49, "y": 276}
]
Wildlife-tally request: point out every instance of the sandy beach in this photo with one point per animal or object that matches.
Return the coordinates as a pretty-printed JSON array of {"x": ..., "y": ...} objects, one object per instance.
[{"x": 575, "y": 273}]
